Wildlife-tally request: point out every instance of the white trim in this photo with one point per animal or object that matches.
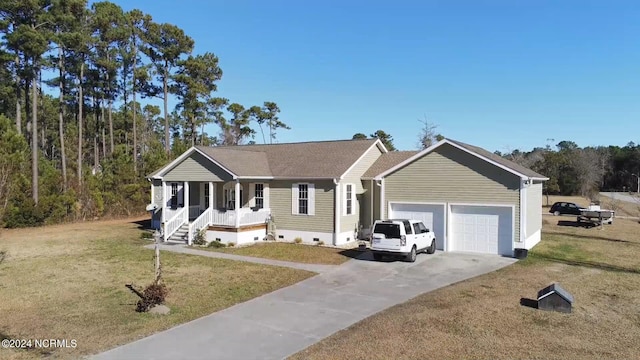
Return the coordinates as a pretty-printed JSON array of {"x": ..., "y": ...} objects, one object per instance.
[
  {"x": 513, "y": 218},
  {"x": 336, "y": 212},
  {"x": 164, "y": 202},
  {"x": 376, "y": 144},
  {"x": 152, "y": 193},
  {"x": 160, "y": 173},
  {"x": 372, "y": 202},
  {"x": 267, "y": 200},
  {"x": 212, "y": 191},
  {"x": 523, "y": 207},
  {"x": 437, "y": 145},
  {"x": 294, "y": 199},
  {"x": 255, "y": 177},
  {"x": 238, "y": 202},
  {"x": 311, "y": 194},
  {"x": 532, "y": 240},
  {"x": 252, "y": 194},
  {"x": 382, "y": 199},
  {"x": 444, "y": 215}
]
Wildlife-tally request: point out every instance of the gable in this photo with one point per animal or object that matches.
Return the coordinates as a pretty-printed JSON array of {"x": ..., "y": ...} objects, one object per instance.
[{"x": 196, "y": 167}]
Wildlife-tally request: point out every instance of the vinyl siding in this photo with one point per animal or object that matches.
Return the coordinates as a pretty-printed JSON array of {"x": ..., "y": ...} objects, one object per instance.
[
  {"x": 534, "y": 208},
  {"x": 451, "y": 175},
  {"x": 353, "y": 176},
  {"x": 197, "y": 168},
  {"x": 280, "y": 198},
  {"x": 157, "y": 192},
  {"x": 366, "y": 209}
]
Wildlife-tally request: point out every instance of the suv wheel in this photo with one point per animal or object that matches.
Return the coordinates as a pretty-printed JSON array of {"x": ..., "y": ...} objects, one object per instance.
[
  {"x": 412, "y": 255},
  {"x": 556, "y": 213},
  {"x": 431, "y": 249}
]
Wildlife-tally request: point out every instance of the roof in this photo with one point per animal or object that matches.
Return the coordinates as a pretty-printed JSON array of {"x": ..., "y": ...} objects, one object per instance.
[
  {"x": 555, "y": 288},
  {"x": 313, "y": 160},
  {"x": 387, "y": 161},
  {"x": 479, "y": 152},
  {"x": 500, "y": 160}
]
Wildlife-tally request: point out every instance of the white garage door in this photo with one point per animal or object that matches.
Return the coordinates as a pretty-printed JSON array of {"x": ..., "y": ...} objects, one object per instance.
[
  {"x": 483, "y": 229},
  {"x": 431, "y": 215}
]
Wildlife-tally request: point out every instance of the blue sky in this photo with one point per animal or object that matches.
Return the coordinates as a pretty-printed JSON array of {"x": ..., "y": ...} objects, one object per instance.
[{"x": 499, "y": 74}]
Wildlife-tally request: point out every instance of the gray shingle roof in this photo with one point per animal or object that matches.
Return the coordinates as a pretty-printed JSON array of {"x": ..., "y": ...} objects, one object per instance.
[
  {"x": 319, "y": 159},
  {"x": 500, "y": 160},
  {"x": 387, "y": 161}
]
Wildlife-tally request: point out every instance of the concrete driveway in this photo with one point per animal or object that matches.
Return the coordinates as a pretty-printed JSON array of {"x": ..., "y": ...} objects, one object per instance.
[{"x": 281, "y": 323}]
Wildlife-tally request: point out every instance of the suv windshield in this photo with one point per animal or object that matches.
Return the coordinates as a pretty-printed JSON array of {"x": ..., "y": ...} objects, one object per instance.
[{"x": 390, "y": 231}]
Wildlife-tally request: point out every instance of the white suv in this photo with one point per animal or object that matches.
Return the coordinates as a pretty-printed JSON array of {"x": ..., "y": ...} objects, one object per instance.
[{"x": 401, "y": 237}]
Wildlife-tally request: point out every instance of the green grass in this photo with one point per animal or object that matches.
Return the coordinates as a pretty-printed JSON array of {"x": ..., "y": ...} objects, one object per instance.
[
  {"x": 69, "y": 282},
  {"x": 308, "y": 254}
]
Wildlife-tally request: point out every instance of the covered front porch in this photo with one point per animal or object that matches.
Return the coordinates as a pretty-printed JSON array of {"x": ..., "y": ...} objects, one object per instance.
[{"x": 190, "y": 206}]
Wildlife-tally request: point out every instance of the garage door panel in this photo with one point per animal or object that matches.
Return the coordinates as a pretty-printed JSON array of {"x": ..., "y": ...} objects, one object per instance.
[
  {"x": 431, "y": 215},
  {"x": 486, "y": 229}
]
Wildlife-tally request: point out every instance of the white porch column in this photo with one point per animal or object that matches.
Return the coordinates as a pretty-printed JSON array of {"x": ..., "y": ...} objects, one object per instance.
[
  {"x": 211, "y": 190},
  {"x": 237, "y": 202},
  {"x": 164, "y": 210},
  {"x": 185, "y": 201},
  {"x": 185, "y": 196},
  {"x": 164, "y": 202}
]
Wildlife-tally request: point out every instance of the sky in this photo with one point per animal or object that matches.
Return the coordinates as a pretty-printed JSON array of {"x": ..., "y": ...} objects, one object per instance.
[{"x": 501, "y": 74}]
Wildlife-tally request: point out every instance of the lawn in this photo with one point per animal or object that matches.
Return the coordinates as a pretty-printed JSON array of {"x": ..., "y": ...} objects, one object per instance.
[
  {"x": 307, "y": 254},
  {"x": 482, "y": 318},
  {"x": 67, "y": 282}
]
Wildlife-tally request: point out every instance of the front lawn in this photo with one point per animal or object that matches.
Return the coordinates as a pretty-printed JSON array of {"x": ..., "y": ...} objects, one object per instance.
[
  {"x": 307, "y": 254},
  {"x": 482, "y": 318},
  {"x": 68, "y": 282}
]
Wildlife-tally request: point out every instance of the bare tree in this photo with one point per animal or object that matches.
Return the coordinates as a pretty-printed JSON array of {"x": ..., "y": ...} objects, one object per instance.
[
  {"x": 428, "y": 135},
  {"x": 590, "y": 166}
]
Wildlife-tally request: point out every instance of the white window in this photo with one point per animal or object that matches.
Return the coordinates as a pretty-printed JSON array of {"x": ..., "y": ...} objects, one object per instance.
[
  {"x": 349, "y": 200},
  {"x": 303, "y": 199},
  {"x": 259, "y": 195},
  {"x": 174, "y": 195}
]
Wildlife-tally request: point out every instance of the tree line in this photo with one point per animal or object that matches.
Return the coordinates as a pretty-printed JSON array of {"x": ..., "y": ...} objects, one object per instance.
[{"x": 76, "y": 136}]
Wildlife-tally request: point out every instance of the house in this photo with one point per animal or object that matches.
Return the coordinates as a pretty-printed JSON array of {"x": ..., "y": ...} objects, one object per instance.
[
  {"x": 310, "y": 190},
  {"x": 332, "y": 191}
]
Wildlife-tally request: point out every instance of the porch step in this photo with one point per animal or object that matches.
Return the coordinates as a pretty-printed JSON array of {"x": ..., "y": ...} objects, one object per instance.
[{"x": 180, "y": 236}]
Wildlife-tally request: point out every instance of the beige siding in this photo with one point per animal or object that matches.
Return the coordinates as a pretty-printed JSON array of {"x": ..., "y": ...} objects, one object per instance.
[
  {"x": 452, "y": 175},
  {"x": 534, "y": 208},
  {"x": 280, "y": 198},
  {"x": 352, "y": 222},
  {"x": 197, "y": 168}
]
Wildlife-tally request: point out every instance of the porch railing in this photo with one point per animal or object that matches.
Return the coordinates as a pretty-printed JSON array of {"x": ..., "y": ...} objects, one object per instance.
[
  {"x": 250, "y": 217},
  {"x": 223, "y": 217},
  {"x": 171, "y": 226},
  {"x": 198, "y": 224}
]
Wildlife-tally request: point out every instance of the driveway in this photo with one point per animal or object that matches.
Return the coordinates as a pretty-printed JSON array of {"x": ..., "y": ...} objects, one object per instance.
[{"x": 281, "y": 323}]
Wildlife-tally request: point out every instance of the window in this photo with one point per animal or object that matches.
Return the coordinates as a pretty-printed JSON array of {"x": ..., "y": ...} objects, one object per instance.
[
  {"x": 230, "y": 196},
  {"x": 407, "y": 227},
  {"x": 174, "y": 195},
  {"x": 423, "y": 229},
  {"x": 416, "y": 228},
  {"x": 390, "y": 231},
  {"x": 206, "y": 196},
  {"x": 259, "y": 195},
  {"x": 349, "y": 197},
  {"x": 303, "y": 199}
]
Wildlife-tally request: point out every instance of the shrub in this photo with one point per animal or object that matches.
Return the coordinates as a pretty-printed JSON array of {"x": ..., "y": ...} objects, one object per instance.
[
  {"x": 216, "y": 244},
  {"x": 231, "y": 244},
  {"x": 201, "y": 237},
  {"x": 153, "y": 295},
  {"x": 297, "y": 240},
  {"x": 320, "y": 243},
  {"x": 146, "y": 235}
]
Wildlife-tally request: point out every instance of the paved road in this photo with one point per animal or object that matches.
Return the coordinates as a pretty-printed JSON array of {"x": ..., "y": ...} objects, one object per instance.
[
  {"x": 281, "y": 323},
  {"x": 622, "y": 196}
]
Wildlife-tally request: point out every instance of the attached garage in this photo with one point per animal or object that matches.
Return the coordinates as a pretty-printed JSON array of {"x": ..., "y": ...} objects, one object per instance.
[
  {"x": 432, "y": 216},
  {"x": 483, "y": 229},
  {"x": 475, "y": 200}
]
